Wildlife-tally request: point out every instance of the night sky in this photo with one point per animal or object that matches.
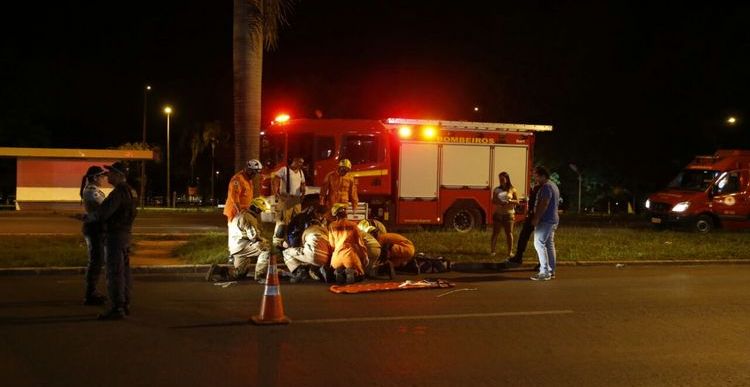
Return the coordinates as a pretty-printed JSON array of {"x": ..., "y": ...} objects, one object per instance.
[{"x": 634, "y": 90}]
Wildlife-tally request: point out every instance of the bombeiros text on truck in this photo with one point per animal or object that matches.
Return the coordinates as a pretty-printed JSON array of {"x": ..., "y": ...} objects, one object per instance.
[
  {"x": 712, "y": 191},
  {"x": 409, "y": 171}
]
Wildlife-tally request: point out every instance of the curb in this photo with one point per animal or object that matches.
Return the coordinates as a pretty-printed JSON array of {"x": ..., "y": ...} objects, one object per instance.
[{"x": 456, "y": 267}]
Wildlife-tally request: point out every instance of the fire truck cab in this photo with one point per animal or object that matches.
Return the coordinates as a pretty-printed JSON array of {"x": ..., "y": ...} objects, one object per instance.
[
  {"x": 712, "y": 191},
  {"x": 409, "y": 171}
]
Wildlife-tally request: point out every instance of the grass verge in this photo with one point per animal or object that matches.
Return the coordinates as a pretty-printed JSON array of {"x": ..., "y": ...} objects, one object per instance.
[{"x": 573, "y": 244}]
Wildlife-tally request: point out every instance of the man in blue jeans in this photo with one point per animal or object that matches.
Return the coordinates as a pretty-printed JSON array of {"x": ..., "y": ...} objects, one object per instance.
[{"x": 545, "y": 222}]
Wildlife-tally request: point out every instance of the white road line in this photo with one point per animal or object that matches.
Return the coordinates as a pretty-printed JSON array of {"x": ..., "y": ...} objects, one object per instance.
[{"x": 431, "y": 317}]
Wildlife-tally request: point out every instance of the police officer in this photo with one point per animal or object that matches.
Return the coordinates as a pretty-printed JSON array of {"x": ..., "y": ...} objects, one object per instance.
[
  {"x": 117, "y": 213},
  {"x": 93, "y": 232},
  {"x": 339, "y": 187}
]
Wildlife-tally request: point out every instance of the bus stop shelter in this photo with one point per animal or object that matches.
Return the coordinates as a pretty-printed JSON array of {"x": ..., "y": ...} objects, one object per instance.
[{"x": 50, "y": 178}]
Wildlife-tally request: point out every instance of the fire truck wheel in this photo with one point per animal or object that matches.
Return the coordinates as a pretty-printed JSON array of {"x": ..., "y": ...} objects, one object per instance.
[
  {"x": 704, "y": 224},
  {"x": 463, "y": 218}
]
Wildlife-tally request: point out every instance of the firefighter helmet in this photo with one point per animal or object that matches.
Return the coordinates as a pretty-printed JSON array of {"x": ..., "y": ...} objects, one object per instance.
[
  {"x": 365, "y": 226},
  {"x": 345, "y": 163},
  {"x": 339, "y": 207},
  {"x": 254, "y": 165},
  {"x": 261, "y": 204}
]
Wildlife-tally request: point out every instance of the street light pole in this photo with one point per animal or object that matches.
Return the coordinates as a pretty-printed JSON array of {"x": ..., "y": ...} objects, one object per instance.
[
  {"x": 575, "y": 169},
  {"x": 168, "y": 112},
  {"x": 143, "y": 162},
  {"x": 213, "y": 173}
]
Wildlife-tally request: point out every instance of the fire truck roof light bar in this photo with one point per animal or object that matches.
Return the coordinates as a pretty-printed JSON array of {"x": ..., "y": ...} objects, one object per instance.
[{"x": 469, "y": 125}]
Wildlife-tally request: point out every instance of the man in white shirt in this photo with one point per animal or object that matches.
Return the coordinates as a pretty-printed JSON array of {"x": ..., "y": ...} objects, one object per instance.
[{"x": 288, "y": 189}]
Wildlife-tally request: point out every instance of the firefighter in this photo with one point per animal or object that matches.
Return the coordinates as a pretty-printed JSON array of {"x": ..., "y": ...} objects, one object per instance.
[
  {"x": 246, "y": 245},
  {"x": 349, "y": 252},
  {"x": 340, "y": 187},
  {"x": 240, "y": 194},
  {"x": 315, "y": 251},
  {"x": 288, "y": 186},
  {"x": 396, "y": 249}
]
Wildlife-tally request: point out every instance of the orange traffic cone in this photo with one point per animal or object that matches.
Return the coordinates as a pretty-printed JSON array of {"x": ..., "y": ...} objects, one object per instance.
[{"x": 271, "y": 308}]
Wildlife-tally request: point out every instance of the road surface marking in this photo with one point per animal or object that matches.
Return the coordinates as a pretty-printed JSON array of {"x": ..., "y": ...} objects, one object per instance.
[{"x": 432, "y": 317}]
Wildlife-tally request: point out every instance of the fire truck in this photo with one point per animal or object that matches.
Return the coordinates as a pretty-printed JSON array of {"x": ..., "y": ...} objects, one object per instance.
[
  {"x": 409, "y": 171},
  {"x": 712, "y": 191}
]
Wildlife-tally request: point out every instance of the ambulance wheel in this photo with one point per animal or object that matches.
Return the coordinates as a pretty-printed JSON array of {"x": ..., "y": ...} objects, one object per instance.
[
  {"x": 704, "y": 224},
  {"x": 463, "y": 219}
]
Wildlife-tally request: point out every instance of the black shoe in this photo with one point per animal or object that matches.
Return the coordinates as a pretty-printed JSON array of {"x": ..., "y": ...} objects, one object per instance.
[
  {"x": 212, "y": 271},
  {"x": 299, "y": 275},
  {"x": 95, "y": 299},
  {"x": 112, "y": 314},
  {"x": 340, "y": 275},
  {"x": 511, "y": 263},
  {"x": 411, "y": 267}
]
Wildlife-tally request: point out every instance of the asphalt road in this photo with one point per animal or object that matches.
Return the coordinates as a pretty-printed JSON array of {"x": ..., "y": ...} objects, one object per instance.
[
  {"x": 592, "y": 326},
  {"x": 145, "y": 223}
]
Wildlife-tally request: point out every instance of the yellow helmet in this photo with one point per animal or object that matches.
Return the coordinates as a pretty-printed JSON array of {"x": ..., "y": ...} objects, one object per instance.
[
  {"x": 338, "y": 207},
  {"x": 261, "y": 204},
  {"x": 345, "y": 163},
  {"x": 365, "y": 226},
  {"x": 379, "y": 225}
]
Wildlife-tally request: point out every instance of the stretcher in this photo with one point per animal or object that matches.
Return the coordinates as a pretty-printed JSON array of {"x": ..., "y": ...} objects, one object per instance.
[{"x": 391, "y": 286}]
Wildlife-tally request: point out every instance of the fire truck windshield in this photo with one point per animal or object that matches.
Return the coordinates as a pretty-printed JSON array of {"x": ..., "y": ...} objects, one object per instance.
[
  {"x": 272, "y": 149},
  {"x": 693, "y": 180}
]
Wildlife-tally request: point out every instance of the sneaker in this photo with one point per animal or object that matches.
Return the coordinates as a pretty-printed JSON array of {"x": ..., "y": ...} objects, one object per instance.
[
  {"x": 212, "y": 271},
  {"x": 552, "y": 275},
  {"x": 340, "y": 275},
  {"x": 95, "y": 299},
  {"x": 112, "y": 314},
  {"x": 540, "y": 277}
]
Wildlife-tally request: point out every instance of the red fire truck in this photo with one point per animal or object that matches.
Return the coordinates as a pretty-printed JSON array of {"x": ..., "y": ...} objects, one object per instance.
[
  {"x": 410, "y": 171},
  {"x": 712, "y": 191}
]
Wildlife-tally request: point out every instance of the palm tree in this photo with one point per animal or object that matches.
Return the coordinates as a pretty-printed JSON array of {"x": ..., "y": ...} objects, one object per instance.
[{"x": 256, "y": 27}]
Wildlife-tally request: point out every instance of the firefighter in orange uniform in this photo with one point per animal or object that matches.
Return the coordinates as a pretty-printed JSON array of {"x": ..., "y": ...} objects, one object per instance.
[
  {"x": 240, "y": 193},
  {"x": 339, "y": 187},
  {"x": 349, "y": 252}
]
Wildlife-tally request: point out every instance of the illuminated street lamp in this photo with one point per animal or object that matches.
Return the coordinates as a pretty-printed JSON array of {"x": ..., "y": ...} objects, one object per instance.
[
  {"x": 731, "y": 120},
  {"x": 168, "y": 112},
  {"x": 143, "y": 162}
]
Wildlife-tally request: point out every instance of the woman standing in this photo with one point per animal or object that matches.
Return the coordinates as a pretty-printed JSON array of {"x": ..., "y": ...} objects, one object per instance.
[
  {"x": 92, "y": 196},
  {"x": 504, "y": 198}
]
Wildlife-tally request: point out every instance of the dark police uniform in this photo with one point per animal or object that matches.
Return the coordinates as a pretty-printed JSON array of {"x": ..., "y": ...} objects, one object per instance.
[
  {"x": 117, "y": 213},
  {"x": 93, "y": 233}
]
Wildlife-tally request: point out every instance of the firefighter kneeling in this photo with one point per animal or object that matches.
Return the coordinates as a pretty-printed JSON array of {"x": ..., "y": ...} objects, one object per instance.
[
  {"x": 396, "y": 250},
  {"x": 314, "y": 252},
  {"x": 349, "y": 252},
  {"x": 246, "y": 245}
]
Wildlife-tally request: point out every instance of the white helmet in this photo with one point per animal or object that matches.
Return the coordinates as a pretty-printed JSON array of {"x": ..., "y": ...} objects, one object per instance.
[{"x": 254, "y": 165}]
